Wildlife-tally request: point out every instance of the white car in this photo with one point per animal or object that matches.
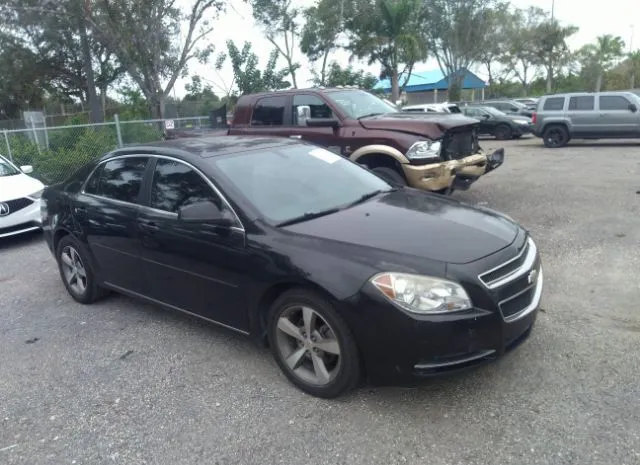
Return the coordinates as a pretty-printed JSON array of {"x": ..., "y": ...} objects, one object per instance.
[
  {"x": 444, "y": 107},
  {"x": 19, "y": 199}
]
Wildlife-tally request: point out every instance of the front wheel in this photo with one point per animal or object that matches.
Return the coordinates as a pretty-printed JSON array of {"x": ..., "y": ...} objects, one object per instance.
[
  {"x": 390, "y": 175},
  {"x": 313, "y": 345},
  {"x": 503, "y": 132}
]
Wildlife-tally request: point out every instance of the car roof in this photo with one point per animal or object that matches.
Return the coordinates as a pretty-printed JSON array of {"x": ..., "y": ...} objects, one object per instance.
[{"x": 207, "y": 146}]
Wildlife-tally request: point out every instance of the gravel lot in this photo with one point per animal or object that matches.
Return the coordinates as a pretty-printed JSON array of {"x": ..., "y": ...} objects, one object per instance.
[{"x": 121, "y": 382}]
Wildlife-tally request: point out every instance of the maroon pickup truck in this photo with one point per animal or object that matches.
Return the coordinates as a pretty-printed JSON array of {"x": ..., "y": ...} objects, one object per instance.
[{"x": 431, "y": 151}]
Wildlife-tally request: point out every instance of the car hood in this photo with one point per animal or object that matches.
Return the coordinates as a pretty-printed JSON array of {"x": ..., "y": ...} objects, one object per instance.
[
  {"x": 416, "y": 223},
  {"x": 17, "y": 186},
  {"x": 432, "y": 125}
]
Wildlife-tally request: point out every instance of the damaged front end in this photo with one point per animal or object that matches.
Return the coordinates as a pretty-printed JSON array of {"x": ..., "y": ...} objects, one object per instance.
[{"x": 463, "y": 163}]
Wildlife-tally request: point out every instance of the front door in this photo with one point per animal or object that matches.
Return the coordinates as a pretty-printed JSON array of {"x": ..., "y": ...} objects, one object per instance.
[
  {"x": 194, "y": 267},
  {"x": 107, "y": 214},
  {"x": 615, "y": 117},
  {"x": 327, "y": 137}
]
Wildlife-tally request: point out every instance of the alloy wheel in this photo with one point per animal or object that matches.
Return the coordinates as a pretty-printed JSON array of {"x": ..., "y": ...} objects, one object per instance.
[
  {"x": 308, "y": 345},
  {"x": 73, "y": 269}
]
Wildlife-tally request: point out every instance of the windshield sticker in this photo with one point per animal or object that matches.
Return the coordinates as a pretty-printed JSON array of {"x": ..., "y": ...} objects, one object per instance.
[{"x": 325, "y": 155}]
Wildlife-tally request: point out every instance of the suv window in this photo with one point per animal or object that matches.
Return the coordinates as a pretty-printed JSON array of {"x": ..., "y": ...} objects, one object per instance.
[
  {"x": 319, "y": 109},
  {"x": 176, "y": 185},
  {"x": 554, "y": 104},
  {"x": 118, "y": 179},
  {"x": 269, "y": 111},
  {"x": 582, "y": 103},
  {"x": 470, "y": 111},
  {"x": 614, "y": 102}
]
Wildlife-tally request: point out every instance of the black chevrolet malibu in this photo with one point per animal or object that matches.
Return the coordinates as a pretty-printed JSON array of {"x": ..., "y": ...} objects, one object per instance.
[{"x": 343, "y": 275}]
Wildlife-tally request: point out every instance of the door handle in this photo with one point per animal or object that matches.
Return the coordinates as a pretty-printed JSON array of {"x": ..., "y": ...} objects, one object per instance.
[
  {"x": 295, "y": 136},
  {"x": 149, "y": 226}
]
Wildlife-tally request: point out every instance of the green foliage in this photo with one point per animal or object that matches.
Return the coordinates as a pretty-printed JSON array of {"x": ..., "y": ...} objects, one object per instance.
[
  {"x": 248, "y": 79},
  {"x": 339, "y": 76},
  {"x": 201, "y": 95},
  {"x": 323, "y": 24}
]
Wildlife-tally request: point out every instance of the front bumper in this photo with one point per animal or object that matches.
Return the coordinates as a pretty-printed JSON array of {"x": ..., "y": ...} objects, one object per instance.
[
  {"x": 452, "y": 174},
  {"x": 21, "y": 221}
]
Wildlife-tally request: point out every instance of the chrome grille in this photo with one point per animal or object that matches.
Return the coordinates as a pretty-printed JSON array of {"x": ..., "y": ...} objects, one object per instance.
[{"x": 517, "y": 283}]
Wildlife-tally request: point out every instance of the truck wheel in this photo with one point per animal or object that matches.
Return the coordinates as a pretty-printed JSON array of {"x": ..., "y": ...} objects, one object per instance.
[
  {"x": 390, "y": 175},
  {"x": 555, "y": 137},
  {"x": 503, "y": 132}
]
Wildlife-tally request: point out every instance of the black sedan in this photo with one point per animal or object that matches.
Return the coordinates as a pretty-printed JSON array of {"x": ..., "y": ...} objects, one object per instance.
[
  {"x": 496, "y": 123},
  {"x": 342, "y": 274}
]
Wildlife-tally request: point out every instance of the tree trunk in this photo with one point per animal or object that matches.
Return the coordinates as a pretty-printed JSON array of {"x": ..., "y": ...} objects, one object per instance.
[
  {"x": 292, "y": 72},
  {"x": 598, "y": 83},
  {"x": 395, "y": 87},
  {"x": 455, "y": 88},
  {"x": 103, "y": 102},
  {"x": 549, "y": 79},
  {"x": 323, "y": 71},
  {"x": 92, "y": 95},
  {"x": 633, "y": 81}
]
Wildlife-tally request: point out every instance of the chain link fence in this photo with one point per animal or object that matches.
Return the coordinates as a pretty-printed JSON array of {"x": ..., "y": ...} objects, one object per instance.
[{"x": 56, "y": 152}]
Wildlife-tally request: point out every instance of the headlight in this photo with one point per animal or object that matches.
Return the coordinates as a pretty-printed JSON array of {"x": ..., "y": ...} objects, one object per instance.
[
  {"x": 520, "y": 121},
  {"x": 424, "y": 149},
  {"x": 36, "y": 195},
  {"x": 422, "y": 294}
]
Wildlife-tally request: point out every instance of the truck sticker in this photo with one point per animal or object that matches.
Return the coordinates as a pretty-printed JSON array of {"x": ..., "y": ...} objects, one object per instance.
[{"x": 324, "y": 155}]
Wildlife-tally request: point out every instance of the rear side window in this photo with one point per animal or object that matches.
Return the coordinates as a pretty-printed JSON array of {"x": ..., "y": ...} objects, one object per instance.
[
  {"x": 269, "y": 111},
  {"x": 581, "y": 103},
  {"x": 118, "y": 179},
  {"x": 614, "y": 102},
  {"x": 554, "y": 104}
]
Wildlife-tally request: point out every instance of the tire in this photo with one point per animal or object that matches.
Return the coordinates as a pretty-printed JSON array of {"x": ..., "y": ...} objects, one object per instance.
[
  {"x": 390, "y": 175},
  {"x": 322, "y": 373},
  {"x": 517, "y": 136},
  {"x": 503, "y": 132},
  {"x": 73, "y": 262},
  {"x": 555, "y": 137}
]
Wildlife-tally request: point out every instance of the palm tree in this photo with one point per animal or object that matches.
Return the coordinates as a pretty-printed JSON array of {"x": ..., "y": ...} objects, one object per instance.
[
  {"x": 633, "y": 58},
  {"x": 388, "y": 32},
  {"x": 603, "y": 54}
]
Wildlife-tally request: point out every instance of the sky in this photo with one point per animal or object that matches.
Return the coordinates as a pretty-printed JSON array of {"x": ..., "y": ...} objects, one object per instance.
[{"x": 618, "y": 17}]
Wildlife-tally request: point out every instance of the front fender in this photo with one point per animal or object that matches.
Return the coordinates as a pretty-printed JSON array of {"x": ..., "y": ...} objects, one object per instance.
[{"x": 379, "y": 149}]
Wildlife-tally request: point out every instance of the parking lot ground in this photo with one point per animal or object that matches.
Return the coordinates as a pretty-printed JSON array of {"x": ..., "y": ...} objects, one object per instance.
[{"x": 123, "y": 382}]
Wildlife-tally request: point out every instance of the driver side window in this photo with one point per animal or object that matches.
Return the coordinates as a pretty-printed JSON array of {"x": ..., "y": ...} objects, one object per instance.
[
  {"x": 176, "y": 185},
  {"x": 317, "y": 107}
]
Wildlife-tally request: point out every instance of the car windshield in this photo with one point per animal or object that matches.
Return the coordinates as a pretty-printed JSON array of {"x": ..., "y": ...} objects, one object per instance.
[
  {"x": 285, "y": 183},
  {"x": 7, "y": 168},
  {"x": 494, "y": 111},
  {"x": 359, "y": 104}
]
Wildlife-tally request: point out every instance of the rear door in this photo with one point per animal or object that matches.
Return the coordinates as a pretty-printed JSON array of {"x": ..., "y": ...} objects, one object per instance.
[
  {"x": 582, "y": 114},
  {"x": 487, "y": 125},
  {"x": 107, "y": 214},
  {"x": 616, "y": 118},
  {"x": 271, "y": 116}
]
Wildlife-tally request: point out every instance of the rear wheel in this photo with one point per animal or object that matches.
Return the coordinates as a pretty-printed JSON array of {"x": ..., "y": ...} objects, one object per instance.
[
  {"x": 76, "y": 271},
  {"x": 390, "y": 175},
  {"x": 555, "y": 137},
  {"x": 503, "y": 132},
  {"x": 313, "y": 345}
]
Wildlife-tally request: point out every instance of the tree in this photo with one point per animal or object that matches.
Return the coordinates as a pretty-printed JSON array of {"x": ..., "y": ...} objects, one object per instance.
[
  {"x": 600, "y": 56},
  {"x": 323, "y": 25},
  {"x": 279, "y": 20},
  {"x": 554, "y": 53},
  {"x": 455, "y": 32},
  {"x": 200, "y": 96},
  {"x": 146, "y": 37},
  {"x": 522, "y": 52},
  {"x": 388, "y": 34},
  {"x": 57, "y": 32},
  {"x": 495, "y": 46},
  {"x": 247, "y": 78},
  {"x": 339, "y": 76},
  {"x": 633, "y": 60}
]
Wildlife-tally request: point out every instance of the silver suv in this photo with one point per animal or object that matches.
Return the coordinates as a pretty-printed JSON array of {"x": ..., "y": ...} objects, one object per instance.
[{"x": 586, "y": 115}]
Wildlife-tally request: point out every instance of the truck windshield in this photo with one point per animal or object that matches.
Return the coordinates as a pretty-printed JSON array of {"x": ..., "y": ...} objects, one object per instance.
[
  {"x": 297, "y": 182},
  {"x": 6, "y": 168},
  {"x": 360, "y": 104}
]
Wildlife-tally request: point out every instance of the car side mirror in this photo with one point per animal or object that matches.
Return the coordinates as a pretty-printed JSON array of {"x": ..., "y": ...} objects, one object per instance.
[
  {"x": 205, "y": 212},
  {"x": 323, "y": 123},
  {"x": 26, "y": 169},
  {"x": 486, "y": 116},
  {"x": 633, "y": 108},
  {"x": 303, "y": 113}
]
